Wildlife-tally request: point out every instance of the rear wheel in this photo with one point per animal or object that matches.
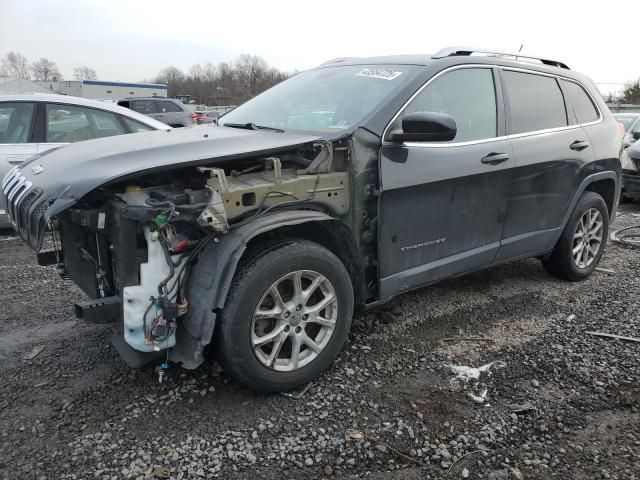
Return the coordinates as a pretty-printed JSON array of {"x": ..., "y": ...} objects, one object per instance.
[
  {"x": 287, "y": 316},
  {"x": 581, "y": 245}
]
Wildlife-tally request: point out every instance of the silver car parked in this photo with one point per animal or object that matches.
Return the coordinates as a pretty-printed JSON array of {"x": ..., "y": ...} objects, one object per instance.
[
  {"x": 32, "y": 123},
  {"x": 166, "y": 110}
]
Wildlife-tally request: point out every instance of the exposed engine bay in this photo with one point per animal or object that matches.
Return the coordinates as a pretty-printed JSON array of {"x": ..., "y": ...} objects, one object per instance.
[{"x": 133, "y": 243}]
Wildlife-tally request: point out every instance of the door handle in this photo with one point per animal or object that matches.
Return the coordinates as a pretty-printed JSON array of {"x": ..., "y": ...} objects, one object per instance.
[
  {"x": 495, "y": 158},
  {"x": 579, "y": 145}
]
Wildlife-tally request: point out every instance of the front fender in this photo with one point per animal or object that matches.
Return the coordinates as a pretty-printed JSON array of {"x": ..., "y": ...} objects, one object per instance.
[{"x": 210, "y": 279}]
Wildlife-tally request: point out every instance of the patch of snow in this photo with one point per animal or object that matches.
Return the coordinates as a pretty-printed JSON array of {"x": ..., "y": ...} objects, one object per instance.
[
  {"x": 479, "y": 398},
  {"x": 473, "y": 373}
]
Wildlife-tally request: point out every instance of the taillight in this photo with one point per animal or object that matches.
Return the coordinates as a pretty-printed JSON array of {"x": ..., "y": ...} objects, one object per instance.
[{"x": 621, "y": 127}]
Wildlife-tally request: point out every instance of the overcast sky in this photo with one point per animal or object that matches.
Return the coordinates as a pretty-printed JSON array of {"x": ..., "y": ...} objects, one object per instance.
[{"x": 131, "y": 40}]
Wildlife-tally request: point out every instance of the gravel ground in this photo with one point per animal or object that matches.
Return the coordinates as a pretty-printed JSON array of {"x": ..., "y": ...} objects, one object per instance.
[{"x": 549, "y": 400}]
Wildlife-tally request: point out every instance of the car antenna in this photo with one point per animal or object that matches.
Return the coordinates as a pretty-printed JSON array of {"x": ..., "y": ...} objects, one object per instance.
[{"x": 519, "y": 50}]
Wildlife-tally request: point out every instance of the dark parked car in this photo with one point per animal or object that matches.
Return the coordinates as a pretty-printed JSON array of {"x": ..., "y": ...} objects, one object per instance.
[
  {"x": 166, "y": 110},
  {"x": 340, "y": 188}
]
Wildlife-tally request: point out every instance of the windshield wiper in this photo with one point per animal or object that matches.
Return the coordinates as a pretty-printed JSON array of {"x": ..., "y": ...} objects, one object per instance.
[{"x": 253, "y": 126}]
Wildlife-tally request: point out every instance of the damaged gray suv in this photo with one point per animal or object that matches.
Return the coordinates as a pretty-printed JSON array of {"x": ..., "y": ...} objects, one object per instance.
[{"x": 335, "y": 190}]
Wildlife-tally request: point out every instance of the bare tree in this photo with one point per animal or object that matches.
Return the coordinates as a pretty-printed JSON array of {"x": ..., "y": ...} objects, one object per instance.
[
  {"x": 251, "y": 72},
  {"x": 210, "y": 73},
  {"x": 224, "y": 84},
  {"x": 84, "y": 73},
  {"x": 44, "y": 70},
  {"x": 15, "y": 64},
  {"x": 173, "y": 77},
  {"x": 631, "y": 94}
]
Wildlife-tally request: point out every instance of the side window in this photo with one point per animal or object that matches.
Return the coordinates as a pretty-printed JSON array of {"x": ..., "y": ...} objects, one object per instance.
[
  {"x": 15, "y": 122},
  {"x": 582, "y": 105},
  {"x": 135, "y": 126},
  {"x": 168, "y": 107},
  {"x": 468, "y": 95},
  {"x": 69, "y": 124},
  {"x": 143, "y": 106},
  {"x": 536, "y": 102}
]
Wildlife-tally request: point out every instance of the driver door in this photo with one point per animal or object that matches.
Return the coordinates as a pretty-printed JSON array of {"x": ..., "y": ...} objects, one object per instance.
[{"x": 442, "y": 204}]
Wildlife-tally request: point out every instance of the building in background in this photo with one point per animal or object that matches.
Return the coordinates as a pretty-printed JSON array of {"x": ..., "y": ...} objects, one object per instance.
[
  {"x": 98, "y": 89},
  {"x": 95, "y": 89},
  {"x": 14, "y": 85}
]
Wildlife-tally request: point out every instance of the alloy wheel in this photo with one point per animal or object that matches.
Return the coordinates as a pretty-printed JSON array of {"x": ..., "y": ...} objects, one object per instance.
[
  {"x": 294, "y": 320},
  {"x": 587, "y": 238}
]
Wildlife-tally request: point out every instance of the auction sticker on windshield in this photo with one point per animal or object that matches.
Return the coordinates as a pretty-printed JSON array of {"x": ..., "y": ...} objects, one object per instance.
[{"x": 378, "y": 73}]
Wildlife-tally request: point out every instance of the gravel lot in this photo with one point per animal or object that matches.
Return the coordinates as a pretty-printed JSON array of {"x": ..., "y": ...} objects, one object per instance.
[{"x": 555, "y": 403}]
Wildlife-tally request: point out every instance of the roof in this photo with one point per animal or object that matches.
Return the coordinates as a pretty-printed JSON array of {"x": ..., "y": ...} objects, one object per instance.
[
  {"x": 159, "y": 86},
  {"x": 461, "y": 54},
  {"x": 82, "y": 102},
  {"x": 417, "y": 59},
  {"x": 152, "y": 98}
]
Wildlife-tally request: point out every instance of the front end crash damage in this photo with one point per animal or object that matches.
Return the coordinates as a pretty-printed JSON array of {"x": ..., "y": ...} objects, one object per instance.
[{"x": 162, "y": 245}]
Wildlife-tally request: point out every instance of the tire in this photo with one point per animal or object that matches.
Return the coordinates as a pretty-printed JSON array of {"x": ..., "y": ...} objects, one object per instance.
[
  {"x": 561, "y": 263},
  {"x": 239, "y": 334}
]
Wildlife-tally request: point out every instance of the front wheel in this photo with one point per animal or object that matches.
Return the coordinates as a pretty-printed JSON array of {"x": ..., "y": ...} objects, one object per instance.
[
  {"x": 287, "y": 316},
  {"x": 582, "y": 242}
]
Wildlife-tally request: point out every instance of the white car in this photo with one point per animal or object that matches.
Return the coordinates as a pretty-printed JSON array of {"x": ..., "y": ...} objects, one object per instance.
[{"x": 32, "y": 123}]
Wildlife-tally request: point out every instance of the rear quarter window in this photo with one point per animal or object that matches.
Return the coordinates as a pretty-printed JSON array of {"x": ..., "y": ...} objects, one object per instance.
[
  {"x": 581, "y": 103},
  {"x": 535, "y": 102},
  {"x": 134, "y": 126},
  {"x": 167, "y": 107}
]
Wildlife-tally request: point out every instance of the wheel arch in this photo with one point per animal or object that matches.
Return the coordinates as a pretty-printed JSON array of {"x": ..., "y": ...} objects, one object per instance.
[
  {"x": 606, "y": 188},
  {"x": 603, "y": 183},
  {"x": 211, "y": 277}
]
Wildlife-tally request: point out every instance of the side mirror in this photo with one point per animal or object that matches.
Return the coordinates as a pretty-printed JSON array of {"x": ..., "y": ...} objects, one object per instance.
[{"x": 425, "y": 127}]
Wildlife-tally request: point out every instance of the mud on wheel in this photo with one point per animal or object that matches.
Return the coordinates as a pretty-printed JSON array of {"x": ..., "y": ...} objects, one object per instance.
[{"x": 287, "y": 316}]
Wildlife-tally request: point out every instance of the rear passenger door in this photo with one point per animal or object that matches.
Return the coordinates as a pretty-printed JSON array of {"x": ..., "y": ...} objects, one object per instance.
[
  {"x": 442, "y": 204},
  {"x": 70, "y": 123},
  {"x": 172, "y": 114},
  {"x": 147, "y": 107},
  {"x": 551, "y": 151}
]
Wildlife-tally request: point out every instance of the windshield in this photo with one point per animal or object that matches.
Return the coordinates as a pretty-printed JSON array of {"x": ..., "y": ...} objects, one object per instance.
[
  {"x": 626, "y": 120},
  {"x": 327, "y": 99}
]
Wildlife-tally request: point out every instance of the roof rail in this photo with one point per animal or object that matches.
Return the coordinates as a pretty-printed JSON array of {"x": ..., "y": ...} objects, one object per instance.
[{"x": 468, "y": 51}]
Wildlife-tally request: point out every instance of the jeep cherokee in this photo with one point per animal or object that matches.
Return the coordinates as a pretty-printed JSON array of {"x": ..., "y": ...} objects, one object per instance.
[{"x": 340, "y": 188}]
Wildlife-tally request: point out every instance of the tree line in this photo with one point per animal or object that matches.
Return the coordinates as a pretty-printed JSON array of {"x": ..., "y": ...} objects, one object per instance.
[
  {"x": 15, "y": 64},
  {"x": 225, "y": 83},
  {"x": 630, "y": 95}
]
